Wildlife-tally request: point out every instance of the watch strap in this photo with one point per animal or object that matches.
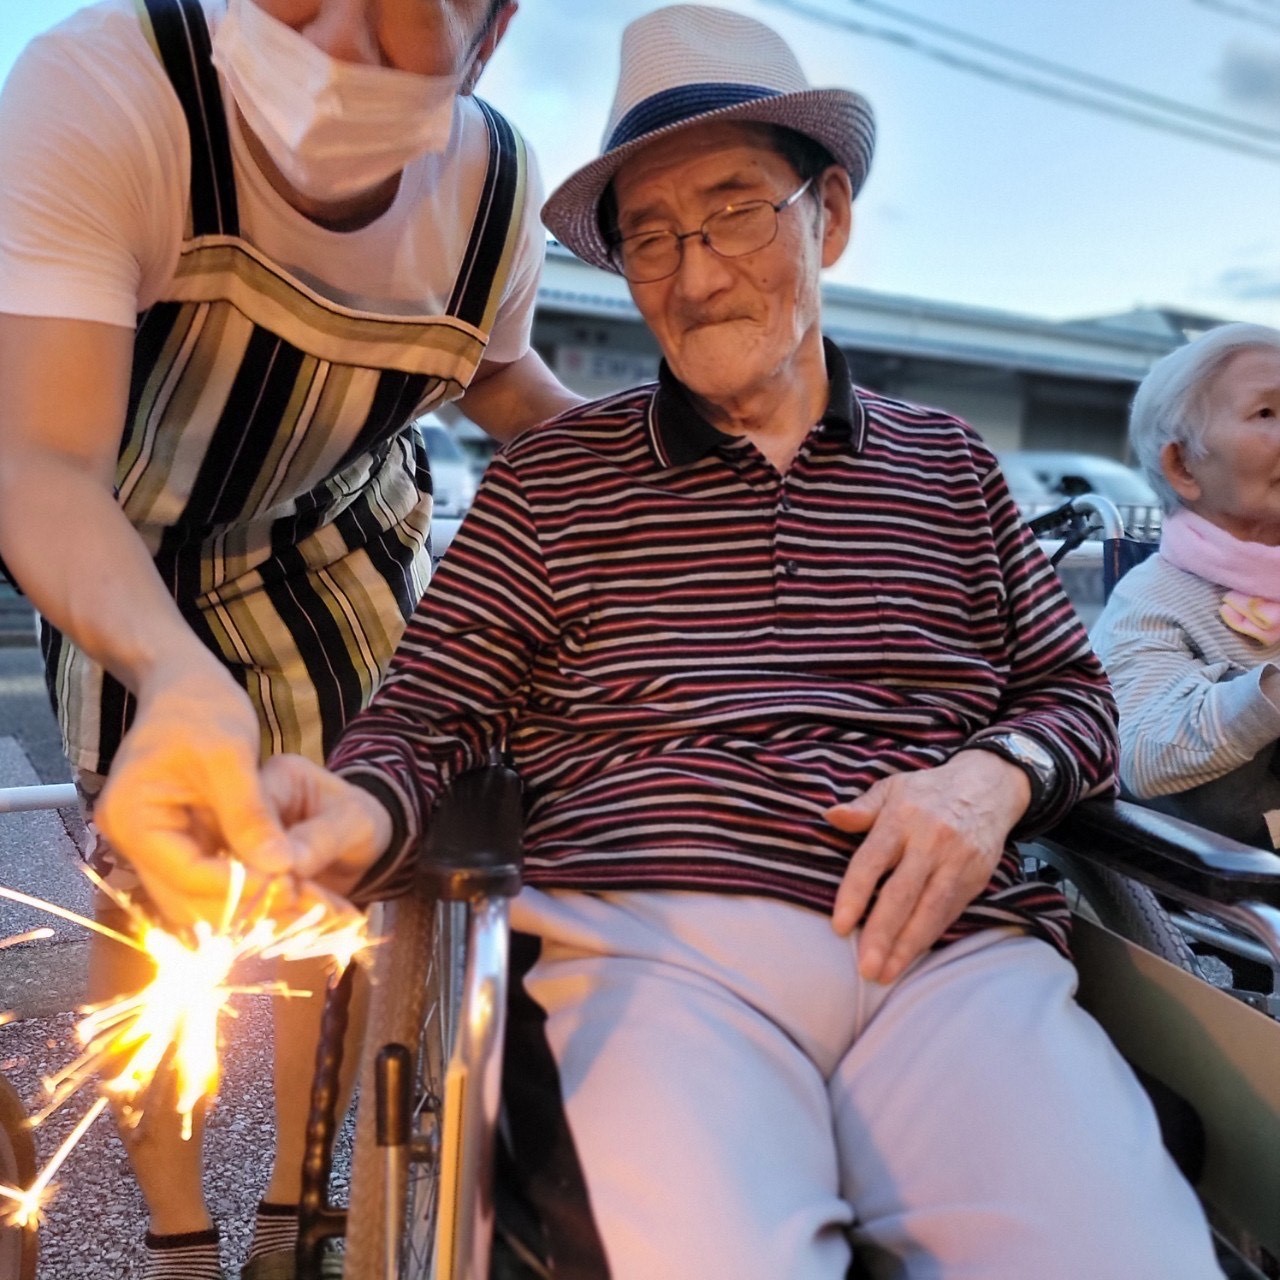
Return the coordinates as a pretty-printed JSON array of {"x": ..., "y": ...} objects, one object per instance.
[{"x": 1041, "y": 782}]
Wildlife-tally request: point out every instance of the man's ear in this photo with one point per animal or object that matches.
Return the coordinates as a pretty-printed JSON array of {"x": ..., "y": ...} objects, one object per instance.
[
  {"x": 836, "y": 193},
  {"x": 1173, "y": 462},
  {"x": 496, "y": 29}
]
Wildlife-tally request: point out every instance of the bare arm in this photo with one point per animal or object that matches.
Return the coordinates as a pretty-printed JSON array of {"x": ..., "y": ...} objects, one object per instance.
[
  {"x": 506, "y": 398},
  {"x": 176, "y": 797},
  {"x": 63, "y": 389}
]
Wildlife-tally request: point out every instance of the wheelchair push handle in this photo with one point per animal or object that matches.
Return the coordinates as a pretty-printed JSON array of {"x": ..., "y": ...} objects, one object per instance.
[
  {"x": 1104, "y": 510},
  {"x": 1076, "y": 518},
  {"x": 475, "y": 844}
]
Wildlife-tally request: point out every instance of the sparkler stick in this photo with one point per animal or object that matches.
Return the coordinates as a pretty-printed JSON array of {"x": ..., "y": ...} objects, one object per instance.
[
  {"x": 235, "y": 888},
  {"x": 122, "y": 900}
]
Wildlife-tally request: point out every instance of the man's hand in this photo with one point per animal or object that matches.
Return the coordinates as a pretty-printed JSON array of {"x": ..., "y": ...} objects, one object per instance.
[
  {"x": 184, "y": 793},
  {"x": 336, "y": 831},
  {"x": 934, "y": 837}
]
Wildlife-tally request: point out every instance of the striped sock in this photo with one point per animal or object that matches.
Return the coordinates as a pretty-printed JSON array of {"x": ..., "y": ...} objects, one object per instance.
[
  {"x": 275, "y": 1230},
  {"x": 190, "y": 1255}
]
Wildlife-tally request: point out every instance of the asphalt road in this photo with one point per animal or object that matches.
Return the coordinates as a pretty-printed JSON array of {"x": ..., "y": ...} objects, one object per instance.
[
  {"x": 25, "y": 714},
  {"x": 37, "y": 851}
]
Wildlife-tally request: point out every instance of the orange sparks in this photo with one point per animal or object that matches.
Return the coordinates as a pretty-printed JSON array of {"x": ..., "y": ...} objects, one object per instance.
[
  {"x": 175, "y": 1019},
  {"x": 31, "y": 935},
  {"x": 29, "y": 1202}
]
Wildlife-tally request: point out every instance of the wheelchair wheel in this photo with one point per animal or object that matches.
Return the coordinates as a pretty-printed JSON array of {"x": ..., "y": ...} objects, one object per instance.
[
  {"x": 18, "y": 1247},
  {"x": 1125, "y": 907},
  {"x": 413, "y": 1002}
]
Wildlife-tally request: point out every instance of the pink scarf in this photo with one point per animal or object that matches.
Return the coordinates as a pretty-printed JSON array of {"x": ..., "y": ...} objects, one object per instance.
[{"x": 1251, "y": 571}]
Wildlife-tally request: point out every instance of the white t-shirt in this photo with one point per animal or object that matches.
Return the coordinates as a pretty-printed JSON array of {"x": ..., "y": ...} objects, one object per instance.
[{"x": 94, "y": 184}]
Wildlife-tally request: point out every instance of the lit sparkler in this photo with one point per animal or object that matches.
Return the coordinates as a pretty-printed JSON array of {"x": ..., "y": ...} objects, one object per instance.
[{"x": 175, "y": 1018}]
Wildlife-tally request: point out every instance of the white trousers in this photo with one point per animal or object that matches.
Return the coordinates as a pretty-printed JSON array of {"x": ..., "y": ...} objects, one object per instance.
[{"x": 744, "y": 1106}]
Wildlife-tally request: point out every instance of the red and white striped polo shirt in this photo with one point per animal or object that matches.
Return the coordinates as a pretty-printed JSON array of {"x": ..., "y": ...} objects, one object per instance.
[{"x": 689, "y": 657}]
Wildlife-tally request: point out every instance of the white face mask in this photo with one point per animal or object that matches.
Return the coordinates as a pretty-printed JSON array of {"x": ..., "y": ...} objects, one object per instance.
[{"x": 333, "y": 129}]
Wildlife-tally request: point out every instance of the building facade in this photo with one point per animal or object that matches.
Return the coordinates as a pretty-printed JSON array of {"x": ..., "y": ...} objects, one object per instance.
[{"x": 1024, "y": 383}]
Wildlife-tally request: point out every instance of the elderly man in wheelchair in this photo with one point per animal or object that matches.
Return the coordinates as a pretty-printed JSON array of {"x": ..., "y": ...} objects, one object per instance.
[{"x": 783, "y": 675}]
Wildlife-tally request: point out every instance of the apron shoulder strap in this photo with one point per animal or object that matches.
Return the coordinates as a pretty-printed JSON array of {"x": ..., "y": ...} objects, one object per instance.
[
  {"x": 180, "y": 36},
  {"x": 482, "y": 278}
]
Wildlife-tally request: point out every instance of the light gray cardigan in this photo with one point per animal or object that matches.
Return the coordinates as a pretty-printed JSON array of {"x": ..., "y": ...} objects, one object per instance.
[{"x": 1197, "y": 699}]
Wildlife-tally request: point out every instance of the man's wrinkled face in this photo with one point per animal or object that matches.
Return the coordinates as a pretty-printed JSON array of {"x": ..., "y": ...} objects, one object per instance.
[
  {"x": 429, "y": 37},
  {"x": 728, "y": 327}
]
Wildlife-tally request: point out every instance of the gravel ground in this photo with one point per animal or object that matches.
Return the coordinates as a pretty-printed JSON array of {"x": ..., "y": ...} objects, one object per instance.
[{"x": 96, "y": 1221}]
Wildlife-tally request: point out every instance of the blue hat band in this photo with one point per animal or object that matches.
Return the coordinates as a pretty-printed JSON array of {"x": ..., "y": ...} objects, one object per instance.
[{"x": 674, "y": 106}]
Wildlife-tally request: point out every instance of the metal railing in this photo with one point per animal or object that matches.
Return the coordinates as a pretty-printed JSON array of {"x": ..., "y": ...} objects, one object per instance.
[{"x": 60, "y": 795}]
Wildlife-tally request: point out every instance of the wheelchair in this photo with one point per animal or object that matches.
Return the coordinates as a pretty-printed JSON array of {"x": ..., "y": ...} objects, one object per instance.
[
  {"x": 421, "y": 1204},
  {"x": 421, "y": 1201},
  {"x": 422, "y": 1197},
  {"x": 1177, "y": 940},
  {"x": 1228, "y": 952}
]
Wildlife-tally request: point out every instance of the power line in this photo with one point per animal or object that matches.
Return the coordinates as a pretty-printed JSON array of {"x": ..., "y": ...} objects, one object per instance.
[
  {"x": 1074, "y": 75},
  {"x": 1238, "y": 11},
  {"x": 1026, "y": 84}
]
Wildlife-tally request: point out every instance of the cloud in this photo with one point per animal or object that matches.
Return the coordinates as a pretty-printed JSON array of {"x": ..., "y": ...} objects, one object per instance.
[
  {"x": 1250, "y": 77},
  {"x": 1250, "y": 284}
]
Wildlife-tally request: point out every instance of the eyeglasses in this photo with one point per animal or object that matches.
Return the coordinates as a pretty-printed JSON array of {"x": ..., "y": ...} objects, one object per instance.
[{"x": 731, "y": 232}]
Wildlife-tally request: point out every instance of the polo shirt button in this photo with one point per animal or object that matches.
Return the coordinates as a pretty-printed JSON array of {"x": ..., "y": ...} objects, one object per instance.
[
  {"x": 785, "y": 502},
  {"x": 790, "y": 568}
]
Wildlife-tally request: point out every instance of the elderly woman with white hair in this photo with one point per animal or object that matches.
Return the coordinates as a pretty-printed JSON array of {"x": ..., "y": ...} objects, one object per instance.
[{"x": 1191, "y": 637}]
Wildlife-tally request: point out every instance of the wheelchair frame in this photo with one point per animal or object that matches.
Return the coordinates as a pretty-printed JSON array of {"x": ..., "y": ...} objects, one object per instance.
[
  {"x": 1212, "y": 1051},
  {"x": 1215, "y": 1053},
  {"x": 421, "y": 1202}
]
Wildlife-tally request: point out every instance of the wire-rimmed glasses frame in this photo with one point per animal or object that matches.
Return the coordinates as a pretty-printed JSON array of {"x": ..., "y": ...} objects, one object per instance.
[{"x": 731, "y": 232}]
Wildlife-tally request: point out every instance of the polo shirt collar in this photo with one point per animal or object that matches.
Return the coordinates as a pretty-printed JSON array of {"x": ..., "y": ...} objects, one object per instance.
[{"x": 680, "y": 435}]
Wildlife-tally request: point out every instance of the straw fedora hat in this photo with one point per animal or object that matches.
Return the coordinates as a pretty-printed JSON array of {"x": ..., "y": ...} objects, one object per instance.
[{"x": 688, "y": 64}]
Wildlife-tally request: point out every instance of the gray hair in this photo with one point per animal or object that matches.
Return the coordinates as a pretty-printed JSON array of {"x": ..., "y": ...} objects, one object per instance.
[{"x": 1171, "y": 404}]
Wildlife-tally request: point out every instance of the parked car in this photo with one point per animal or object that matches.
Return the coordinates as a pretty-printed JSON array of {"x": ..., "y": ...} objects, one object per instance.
[
  {"x": 1065, "y": 474},
  {"x": 453, "y": 482},
  {"x": 1028, "y": 490}
]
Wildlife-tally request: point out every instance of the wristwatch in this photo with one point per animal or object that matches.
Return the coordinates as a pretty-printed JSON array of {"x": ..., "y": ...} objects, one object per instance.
[{"x": 1034, "y": 759}]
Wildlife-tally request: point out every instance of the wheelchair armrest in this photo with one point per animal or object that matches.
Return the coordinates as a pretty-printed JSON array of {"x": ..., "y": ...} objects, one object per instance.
[
  {"x": 474, "y": 848},
  {"x": 1167, "y": 853}
]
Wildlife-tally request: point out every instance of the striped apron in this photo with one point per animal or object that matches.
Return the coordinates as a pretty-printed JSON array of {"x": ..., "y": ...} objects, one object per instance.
[{"x": 267, "y": 459}]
